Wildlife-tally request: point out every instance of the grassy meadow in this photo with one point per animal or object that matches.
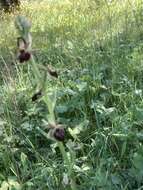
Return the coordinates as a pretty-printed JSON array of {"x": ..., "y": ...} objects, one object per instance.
[{"x": 96, "y": 48}]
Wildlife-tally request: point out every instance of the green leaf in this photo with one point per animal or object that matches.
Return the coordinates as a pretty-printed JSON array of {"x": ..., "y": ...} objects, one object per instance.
[
  {"x": 123, "y": 148},
  {"x": 61, "y": 109},
  {"x": 138, "y": 161},
  {"x": 23, "y": 159}
]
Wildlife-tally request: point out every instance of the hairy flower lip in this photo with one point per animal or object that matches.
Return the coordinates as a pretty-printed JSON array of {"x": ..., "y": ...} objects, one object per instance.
[
  {"x": 52, "y": 72},
  {"x": 27, "y": 56},
  {"x": 24, "y": 56},
  {"x": 59, "y": 134},
  {"x": 36, "y": 96}
]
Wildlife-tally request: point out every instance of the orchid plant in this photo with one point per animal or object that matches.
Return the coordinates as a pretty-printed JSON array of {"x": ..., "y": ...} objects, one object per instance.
[{"x": 56, "y": 131}]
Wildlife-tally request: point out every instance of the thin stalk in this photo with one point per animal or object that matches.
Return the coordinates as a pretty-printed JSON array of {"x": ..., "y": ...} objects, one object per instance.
[
  {"x": 65, "y": 158},
  {"x": 35, "y": 70},
  {"x": 51, "y": 105},
  {"x": 68, "y": 164}
]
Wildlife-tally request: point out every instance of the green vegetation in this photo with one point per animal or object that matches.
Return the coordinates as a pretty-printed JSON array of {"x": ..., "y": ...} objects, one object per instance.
[{"x": 96, "y": 48}]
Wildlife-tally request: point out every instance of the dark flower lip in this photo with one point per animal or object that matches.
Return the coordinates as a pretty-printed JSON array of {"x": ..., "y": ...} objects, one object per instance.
[
  {"x": 27, "y": 56},
  {"x": 36, "y": 96},
  {"x": 53, "y": 73},
  {"x": 59, "y": 134},
  {"x": 24, "y": 56}
]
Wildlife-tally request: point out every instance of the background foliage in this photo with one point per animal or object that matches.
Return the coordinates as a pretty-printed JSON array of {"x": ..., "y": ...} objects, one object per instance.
[{"x": 96, "y": 47}]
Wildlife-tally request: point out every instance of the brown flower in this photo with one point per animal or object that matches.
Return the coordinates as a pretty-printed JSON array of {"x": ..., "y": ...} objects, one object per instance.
[
  {"x": 59, "y": 134},
  {"x": 24, "y": 56},
  {"x": 52, "y": 72},
  {"x": 36, "y": 96}
]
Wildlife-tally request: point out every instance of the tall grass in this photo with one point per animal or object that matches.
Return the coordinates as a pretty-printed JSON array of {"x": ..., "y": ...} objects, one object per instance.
[{"x": 96, "y": 47}]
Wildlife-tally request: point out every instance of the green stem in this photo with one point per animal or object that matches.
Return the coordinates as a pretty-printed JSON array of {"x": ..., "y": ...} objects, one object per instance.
[
  {"x": 68, "y": 165},
  {"x": 73, "y": 185},
  {"x": 51, "y": 106},
  {"x": 64, "y": 154},
  {"x": 42, "y": 83},
  {"x": 35, "y": 70}
]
